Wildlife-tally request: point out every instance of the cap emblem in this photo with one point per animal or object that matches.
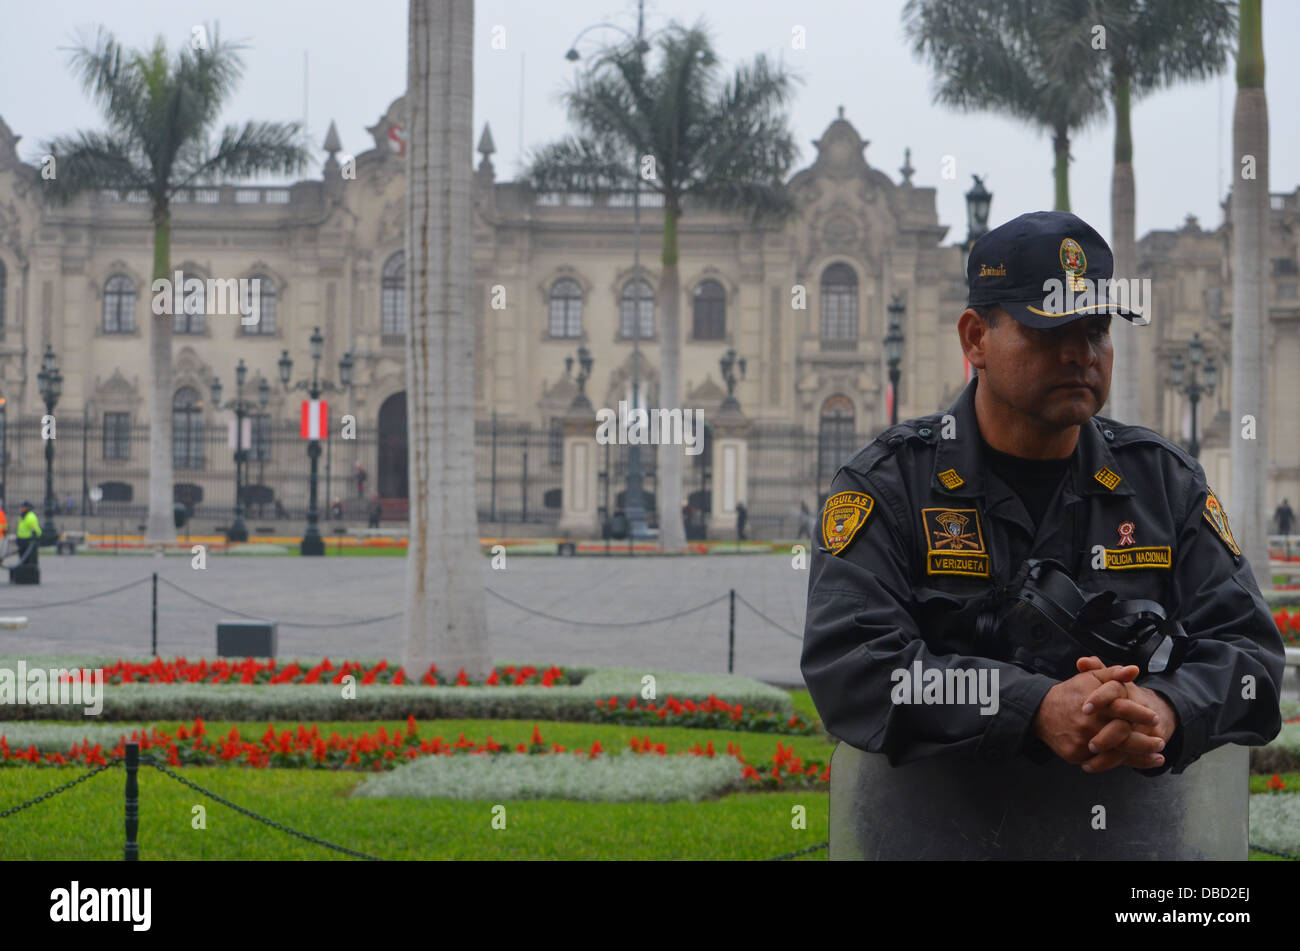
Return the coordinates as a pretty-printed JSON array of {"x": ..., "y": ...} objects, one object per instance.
[{"x": 1075, "y": 263}]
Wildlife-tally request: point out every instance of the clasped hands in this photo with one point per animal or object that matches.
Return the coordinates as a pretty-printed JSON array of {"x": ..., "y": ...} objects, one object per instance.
[{"x": 1100, "y": 719}]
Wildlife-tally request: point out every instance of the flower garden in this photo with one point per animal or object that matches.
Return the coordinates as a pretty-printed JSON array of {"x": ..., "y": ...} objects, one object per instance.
[{"x": 577, "y": 760}]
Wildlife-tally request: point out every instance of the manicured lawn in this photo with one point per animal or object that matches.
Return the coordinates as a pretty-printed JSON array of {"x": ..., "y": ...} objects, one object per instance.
[{"x": 86, "y": 822}]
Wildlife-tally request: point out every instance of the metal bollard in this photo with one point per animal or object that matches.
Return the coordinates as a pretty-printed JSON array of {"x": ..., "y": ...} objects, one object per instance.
[
  {"x": 155, "y": 614},
  {"x": 731, "y": 634},
  {"x": 132, "y": 802}
]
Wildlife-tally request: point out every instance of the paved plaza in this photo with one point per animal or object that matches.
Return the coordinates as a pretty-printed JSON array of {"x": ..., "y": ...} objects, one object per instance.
[{"x": 332, "y": 591}]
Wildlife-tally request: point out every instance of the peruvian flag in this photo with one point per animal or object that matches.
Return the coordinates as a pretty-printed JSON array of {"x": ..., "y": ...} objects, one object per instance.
[{"x": 315, "y": 419}]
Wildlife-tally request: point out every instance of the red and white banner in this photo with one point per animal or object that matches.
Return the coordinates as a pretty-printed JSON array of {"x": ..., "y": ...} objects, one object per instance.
[{"x": 315, "y": 419}]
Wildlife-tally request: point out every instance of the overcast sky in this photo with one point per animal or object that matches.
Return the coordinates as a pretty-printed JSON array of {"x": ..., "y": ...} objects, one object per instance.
[{"x": 855, "y": 56}]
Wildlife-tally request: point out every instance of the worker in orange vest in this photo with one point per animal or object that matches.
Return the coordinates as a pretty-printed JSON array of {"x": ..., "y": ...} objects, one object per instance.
[{"x": 4, "y": 524}]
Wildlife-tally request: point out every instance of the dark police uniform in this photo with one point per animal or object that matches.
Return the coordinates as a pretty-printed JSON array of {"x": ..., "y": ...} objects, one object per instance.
[{"x": 920, "y": 534}]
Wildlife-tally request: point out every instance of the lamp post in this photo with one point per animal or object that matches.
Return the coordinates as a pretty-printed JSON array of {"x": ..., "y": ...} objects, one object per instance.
[
  {"x": 728, "y": 363},
  {"x": 312, "y": 543},
  {"x": 978, "y": 200},
  {"x": 1187, "y": 383},
  {"x": 50, "y": 381},
  {"x": 634, "y": 496},
  {"x": 894, "y": 353},
  {"x": 238, "y": 532}
]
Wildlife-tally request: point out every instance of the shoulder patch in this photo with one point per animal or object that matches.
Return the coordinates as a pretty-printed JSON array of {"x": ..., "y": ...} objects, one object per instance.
[
  {"x": 1218, "y": 520},
  {"x": 843, "y": 517}
]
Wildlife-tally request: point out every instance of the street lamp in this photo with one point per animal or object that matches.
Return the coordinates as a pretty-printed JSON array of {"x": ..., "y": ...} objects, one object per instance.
[
  {"x": 238, "y": 532},
  {"x": 50, "y": 381},
  {"x": 727, "y": 363},
  {"x": 978, "y": 200},
  {"x": 634, "y": 497},
  {"x": 312, "y": 543},
  {"x": 1190, "y": 386},
  {"x": 894, "y": 352}
]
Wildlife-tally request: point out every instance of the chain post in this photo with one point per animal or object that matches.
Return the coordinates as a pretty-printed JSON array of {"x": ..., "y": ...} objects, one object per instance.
[
  {"x": 731, "y": 634},
  {"x": 154, "y": 626},
  {"x": 132, "y": 852}
]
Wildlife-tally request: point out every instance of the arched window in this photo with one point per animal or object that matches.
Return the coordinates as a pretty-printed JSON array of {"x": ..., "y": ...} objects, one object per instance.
[
  {"x": 187, "y": 429},
  {"x": 393, "y": 303},
  {"x": 637, "y": 310},
  {"x": 839, "y": 307},
  {"x": 566, "y": 308},
  {"x": 119, "y": 305},
  {"x": 835, "y": 439},
  {"x": 710, "y": 311},
  {"x": 265, "y": 309},
  {"x": 188, "y": 318}
]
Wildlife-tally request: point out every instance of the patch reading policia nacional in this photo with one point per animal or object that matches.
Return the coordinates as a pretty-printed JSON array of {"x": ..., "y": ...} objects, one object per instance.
[
  {"x": 845, "y": 513},
  {"x": 955, "y": 543},
  {"x": 1218, "y": 520}
]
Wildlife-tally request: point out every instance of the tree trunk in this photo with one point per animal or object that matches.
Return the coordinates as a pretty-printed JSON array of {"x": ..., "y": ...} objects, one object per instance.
[
  {"x": 446, "y": 615},
  {"x": 1125, "y": 400},
  {"x": 1061, "y": 167},
  {"x": 672, "y": 534},
  {"x": 159, "y": 526},
  {"x": 1250, "y": 210}
]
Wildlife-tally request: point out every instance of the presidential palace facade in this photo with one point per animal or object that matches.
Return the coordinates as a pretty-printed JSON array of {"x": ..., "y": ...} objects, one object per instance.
[{"x": 804, "y": 303}]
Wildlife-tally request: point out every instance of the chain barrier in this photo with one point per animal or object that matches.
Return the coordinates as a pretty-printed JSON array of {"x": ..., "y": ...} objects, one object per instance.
[
  {"x": 313, "y": 624},
  {"x": 784, "y": 630},
  {"x": 89, "y": 597},
  {"x": 64, "y": 788},
  {"x": 790, "y": 855},
  {"x": 252, "y": 815},
  {"x": 565, "y": 620}
]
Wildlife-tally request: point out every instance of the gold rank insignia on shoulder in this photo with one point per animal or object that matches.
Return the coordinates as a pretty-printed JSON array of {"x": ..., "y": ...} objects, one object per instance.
[
  {"x": 1218, "y": 520},
  {"x": 955, "y": 543},
  {"x": 844, "y": 515},
  {"x": 1107, "y": 478},
  {"x": 950, "y": 479}
]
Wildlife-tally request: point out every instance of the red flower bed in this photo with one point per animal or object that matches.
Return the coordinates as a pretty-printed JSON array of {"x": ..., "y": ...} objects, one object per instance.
[
  {"x": 1289, "y": 625},
  {"x": 707, "y": 714},
  {"x": 251, "y": 671},
  {"x": 305, "y": 748}
]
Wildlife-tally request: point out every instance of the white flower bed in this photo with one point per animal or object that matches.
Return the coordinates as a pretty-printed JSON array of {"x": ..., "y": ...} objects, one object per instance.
[
  {"x": 1275, "y": 821},
  {"x": 58, "y": 737},
  {"x": 625, "y": 777}
]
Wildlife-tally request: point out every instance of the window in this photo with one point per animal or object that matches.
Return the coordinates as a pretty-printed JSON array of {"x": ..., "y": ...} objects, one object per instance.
[
  {"x": 710, "y": 311},
  {"x": 393, "y": 303},
  {"x": 117, "y": 435},
  {"x": 260, "y": 436},
  {"x": 119, "y": 305},
  {"x": 566, "y": 308},
  {"x": 188, "y": 318},
  {"x": 638, "y": 301},
  {"x": 839, "y": 305},
  {"x": 265, "y": 305},
  {"x": 835, "y": 440},
  {"x": 3, "y": 286},
  {"x": 187, "y": 429}
]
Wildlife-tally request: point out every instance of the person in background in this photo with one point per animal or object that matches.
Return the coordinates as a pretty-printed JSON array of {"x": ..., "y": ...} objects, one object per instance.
[
  {"x": 336, "y": 508},
  {"x": 376, "y": 511},
  {"x": 29, "y": 534},
  {"x": 805, "y": 520},
  {"x": 742, "y": 516},
  {"x": 359, "y": 473},
  {"x": 1285, "y": 519}
]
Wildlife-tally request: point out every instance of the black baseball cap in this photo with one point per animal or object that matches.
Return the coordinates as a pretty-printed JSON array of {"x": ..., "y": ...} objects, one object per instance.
[{"x": 1048, "y": 268}]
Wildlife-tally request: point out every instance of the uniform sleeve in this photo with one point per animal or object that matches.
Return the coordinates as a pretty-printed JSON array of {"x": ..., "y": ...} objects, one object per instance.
[
  {"x": 859, "y": 632},
  {"x": 1234, "y": 643}
]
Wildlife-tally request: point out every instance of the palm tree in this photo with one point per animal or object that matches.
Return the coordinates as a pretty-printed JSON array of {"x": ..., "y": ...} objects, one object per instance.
[
  {"x": 723, "y": 145},
  {"x": 445, "y": 612},
  {"x": 1149, "y": 44},
  {"x": 1250, "y": 222},
  {"x": 1003, "y": 56},
  {"x": 160, "y": 113}
]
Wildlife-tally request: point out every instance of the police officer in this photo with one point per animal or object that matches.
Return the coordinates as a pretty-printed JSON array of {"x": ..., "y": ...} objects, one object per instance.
[
  {"x": 932, "y": 524},
  {"x": 29, "y": 534}
]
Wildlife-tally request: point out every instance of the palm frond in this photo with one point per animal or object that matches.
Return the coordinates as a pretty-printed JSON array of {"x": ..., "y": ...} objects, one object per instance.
[
  {"x": 254, "y": 149},
  {"x": 581, "y": 164},
  {"x": 90, "y": 161}
]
